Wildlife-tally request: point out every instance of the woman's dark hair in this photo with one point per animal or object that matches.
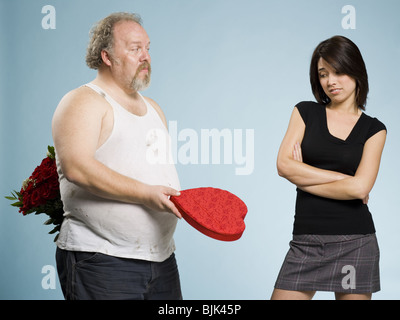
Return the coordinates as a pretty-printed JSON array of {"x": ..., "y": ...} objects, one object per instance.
[{"x": 345, "y": 57}]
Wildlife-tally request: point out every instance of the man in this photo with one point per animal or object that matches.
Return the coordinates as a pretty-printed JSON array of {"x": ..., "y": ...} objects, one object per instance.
[{"x": 116, "y": 241}]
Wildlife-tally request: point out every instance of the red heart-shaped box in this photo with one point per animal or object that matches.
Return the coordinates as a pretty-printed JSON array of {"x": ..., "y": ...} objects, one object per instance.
[{"x": 216, "y": 213}]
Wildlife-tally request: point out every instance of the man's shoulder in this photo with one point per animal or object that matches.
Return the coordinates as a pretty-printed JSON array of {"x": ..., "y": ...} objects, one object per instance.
[
  {"x": 152, "y": 102},
  {"x": 157, "y": 108},
  {"x": 82, "y": 97},
  {"x": 84, "y": 94}
]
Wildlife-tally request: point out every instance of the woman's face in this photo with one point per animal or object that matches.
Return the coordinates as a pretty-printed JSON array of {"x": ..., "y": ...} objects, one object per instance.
[{"x": 338, "y": 87}]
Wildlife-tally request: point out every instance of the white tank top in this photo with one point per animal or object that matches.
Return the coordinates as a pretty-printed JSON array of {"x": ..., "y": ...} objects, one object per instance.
[{"x": 138, "y": 147}]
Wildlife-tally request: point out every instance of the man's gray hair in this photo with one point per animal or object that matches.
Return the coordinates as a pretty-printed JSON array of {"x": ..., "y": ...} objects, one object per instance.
[{"x": 101, "y": 36}]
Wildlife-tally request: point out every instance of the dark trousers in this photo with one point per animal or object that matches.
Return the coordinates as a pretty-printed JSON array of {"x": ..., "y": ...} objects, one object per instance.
[{"x": 96, "y": 276}]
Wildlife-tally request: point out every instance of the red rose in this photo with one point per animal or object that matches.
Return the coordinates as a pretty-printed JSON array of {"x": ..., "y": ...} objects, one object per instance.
[
  {"x": 43, "y": 186},
  {"x": 35, "y": 198}
]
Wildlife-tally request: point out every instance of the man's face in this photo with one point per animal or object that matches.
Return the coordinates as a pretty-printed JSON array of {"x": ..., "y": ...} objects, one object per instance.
[{"x": 130, "y": 56}]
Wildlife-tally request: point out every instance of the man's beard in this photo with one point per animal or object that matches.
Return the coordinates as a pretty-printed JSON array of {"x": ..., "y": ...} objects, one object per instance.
[{"x": 139, "y": 84}]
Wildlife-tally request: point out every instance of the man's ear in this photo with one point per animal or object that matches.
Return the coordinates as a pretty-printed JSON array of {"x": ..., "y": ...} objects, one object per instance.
[{"x": 105, "y": 56}]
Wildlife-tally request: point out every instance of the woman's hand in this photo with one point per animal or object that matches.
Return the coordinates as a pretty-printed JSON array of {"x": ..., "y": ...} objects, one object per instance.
[{"x": 297, "y": 155}]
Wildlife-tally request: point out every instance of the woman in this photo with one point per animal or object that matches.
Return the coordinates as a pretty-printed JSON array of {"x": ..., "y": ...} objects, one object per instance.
[{"x": 332, "y": 152}]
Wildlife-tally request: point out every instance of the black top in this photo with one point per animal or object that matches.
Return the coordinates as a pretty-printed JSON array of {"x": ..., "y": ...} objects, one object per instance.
[{"x": 318, "y": 215}]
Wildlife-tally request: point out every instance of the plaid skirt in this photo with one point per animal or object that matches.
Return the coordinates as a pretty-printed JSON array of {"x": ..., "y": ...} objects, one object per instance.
[{"x": 336, "y": 263}]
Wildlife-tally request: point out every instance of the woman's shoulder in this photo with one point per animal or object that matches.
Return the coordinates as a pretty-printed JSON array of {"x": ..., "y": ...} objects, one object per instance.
[
  {"x": 374, "y": 119},
  {"x": 374, "y": 125},
  {"x": 309, "y": 109},
  {"x": 309, "y": 105}
]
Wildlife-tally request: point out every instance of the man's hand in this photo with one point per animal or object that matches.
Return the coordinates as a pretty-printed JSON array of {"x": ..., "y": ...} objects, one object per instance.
[{"x": 157, "y": 198}]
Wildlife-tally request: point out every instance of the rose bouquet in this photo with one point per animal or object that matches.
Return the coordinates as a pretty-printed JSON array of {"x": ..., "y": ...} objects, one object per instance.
[{"x": 40, "y": 193}]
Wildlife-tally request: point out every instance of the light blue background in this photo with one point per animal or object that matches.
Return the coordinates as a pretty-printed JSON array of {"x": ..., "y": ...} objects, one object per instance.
[{"x": 216, "y": 64}]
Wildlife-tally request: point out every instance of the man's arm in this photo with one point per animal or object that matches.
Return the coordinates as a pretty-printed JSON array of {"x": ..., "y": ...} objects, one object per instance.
[{"x": 77, "y": 127}]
